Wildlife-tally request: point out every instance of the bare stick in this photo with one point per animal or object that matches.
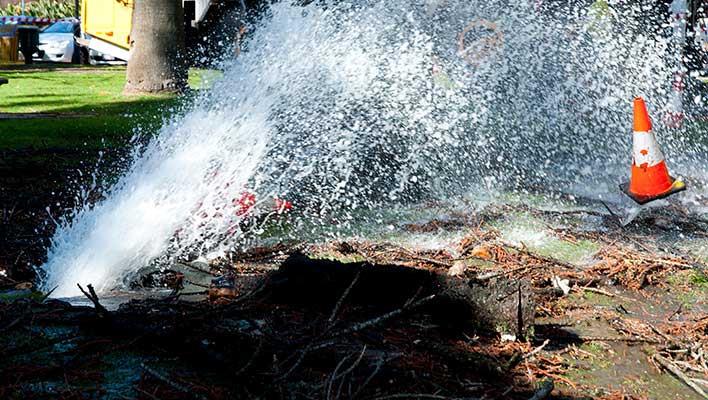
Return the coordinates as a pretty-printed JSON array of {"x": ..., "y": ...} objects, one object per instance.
[
  {"x": 169, "y": 382},
  {"x": 660, "y": 333},
  {"x": 618, "y": 220},
  {"x": 333, "y": 376},
  {"x": 666, "y": 363},
  {"x": 413, "y": 396},
  {"x": 49, "y": 293},
  {"x": 368, "y": 380},
  {"x": 428, "y": 259},
  {"x": 600, "y": 291},
  {"x": 536, "y": 350},
  {"x": 335, "y": 311},
  {"x": 94, "y": 298},
  {"x": 253, "y": 358},
  {"x": 591, "y": 289},
  {"x": 389, "y": 315},
  {"x": 196, "y": 268},
  {"x": 355, "y": 328},
  {"x": 550, "y": 260},
  {"x": 582, "y": 338},
  {"x": 347, "y": 372}
]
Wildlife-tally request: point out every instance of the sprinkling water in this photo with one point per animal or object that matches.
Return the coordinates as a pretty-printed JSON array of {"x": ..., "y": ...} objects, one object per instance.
[{"x": 357, "y": 106}]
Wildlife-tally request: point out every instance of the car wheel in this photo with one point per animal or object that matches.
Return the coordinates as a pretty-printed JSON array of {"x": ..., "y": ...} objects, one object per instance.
[
  {"x": 76, "y": 55},
  {"x": 85, "y": 56}
]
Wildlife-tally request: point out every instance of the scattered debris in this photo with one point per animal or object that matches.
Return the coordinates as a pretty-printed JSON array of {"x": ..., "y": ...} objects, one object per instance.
[{"x": 355, "y": 319}]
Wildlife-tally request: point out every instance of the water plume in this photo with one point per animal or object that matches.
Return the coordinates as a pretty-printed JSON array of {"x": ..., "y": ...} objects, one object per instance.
[{"x": 351, "y": 106}]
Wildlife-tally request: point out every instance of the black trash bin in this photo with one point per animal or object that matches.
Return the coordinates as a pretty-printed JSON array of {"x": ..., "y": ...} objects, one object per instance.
[{"x": 29, "y": 41}]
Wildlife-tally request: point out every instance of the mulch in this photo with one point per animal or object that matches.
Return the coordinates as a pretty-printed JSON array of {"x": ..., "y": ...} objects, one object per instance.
[{"x": 261, "y": 340}]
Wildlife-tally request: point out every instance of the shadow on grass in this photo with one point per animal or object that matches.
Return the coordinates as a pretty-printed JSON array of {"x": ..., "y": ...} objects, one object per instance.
[
  {"x": 110, "y": 124},
  {"x": 138, "y": 105},
  {"x": 48, "y": 67}
]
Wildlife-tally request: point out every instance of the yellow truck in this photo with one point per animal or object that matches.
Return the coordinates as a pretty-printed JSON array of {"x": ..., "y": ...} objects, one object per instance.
[{"x": 106, "y": 24}]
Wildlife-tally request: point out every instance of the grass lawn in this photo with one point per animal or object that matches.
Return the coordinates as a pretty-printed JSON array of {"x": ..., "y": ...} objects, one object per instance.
[{"x": 92, "y": 108}]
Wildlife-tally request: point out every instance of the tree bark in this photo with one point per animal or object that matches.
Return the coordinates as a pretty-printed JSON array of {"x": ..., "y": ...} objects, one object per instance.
[{"x": 157, "y": 48}]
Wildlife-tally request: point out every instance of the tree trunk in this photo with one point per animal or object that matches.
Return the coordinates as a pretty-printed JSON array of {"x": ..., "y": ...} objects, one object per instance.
[{"x": 157, "y": 47}]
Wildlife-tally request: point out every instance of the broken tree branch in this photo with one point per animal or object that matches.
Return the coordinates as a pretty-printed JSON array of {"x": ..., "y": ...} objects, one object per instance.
[{"x": 670, "y": 366}]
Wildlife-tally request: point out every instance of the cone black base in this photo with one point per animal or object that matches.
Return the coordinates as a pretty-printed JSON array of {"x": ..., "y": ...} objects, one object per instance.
[{"x": 676, "y": 186}]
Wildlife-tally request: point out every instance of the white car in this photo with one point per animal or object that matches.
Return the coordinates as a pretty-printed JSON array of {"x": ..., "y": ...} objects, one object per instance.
[{"x": 57, "y": 43}]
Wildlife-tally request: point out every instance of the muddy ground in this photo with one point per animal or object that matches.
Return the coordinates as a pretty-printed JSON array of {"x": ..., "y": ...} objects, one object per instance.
[
  {"x": 37, "y": 187},
  {"x": 621, "y": 311}
]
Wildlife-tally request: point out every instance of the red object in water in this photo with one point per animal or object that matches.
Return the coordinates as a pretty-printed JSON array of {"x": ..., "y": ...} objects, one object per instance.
[
  {"x": 248, "y": 200},
  {"x": 282, "y": 206},
  {"x": 245, "y": 202}
]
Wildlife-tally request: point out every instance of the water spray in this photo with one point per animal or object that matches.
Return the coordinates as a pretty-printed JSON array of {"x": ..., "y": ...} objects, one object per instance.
[
  {"x": 674, "y": 116},
  {"x": 360, "y": 109}
]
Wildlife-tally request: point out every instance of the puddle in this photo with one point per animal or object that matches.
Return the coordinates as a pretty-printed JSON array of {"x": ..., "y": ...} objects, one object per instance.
[{"x": 618, "y": 366}]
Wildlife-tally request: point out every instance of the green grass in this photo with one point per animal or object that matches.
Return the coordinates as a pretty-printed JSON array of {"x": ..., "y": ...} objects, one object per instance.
[
  {"x": 94, "y": 110},
  {"x": 75, "y": 91}
]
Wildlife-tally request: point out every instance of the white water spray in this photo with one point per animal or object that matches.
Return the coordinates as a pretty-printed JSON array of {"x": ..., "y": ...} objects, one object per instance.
[{"x": 369, "y": 103}]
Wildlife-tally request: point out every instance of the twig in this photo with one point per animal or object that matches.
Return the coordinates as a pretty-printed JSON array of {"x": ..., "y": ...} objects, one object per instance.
[
  {"x": 299, "y": 360},
  {"x": 49, "y": 293},
  {"x": 335, "y": 311},
  {"x": 536, "y": 350},
  {"x": 11, "y": 324},
  {"x": 368, "y": 380},
  {"x": 333, "y": 377},
  {"x": 315, "y": 345},
  {"x": 666, "y": 363},
  {"x": 196, "y": 284},
  {"x": 354, "y": 365},
  {"x": 545, "y": 390},
  {"x": 582, "y": 338},
  {"x": 591, "y": 289},
  {"x": 517, "y": 358},
  {"x": 167, "y": 381},
  {"x": 688, "y": 367},
  {"x": 509, "y": 272},
  {"x": 618, "y": 220},
  {"x": 147, "y": 394},
  {"x": 413, "y": 396},
  {"x": 199, "y": 293},
  {"x": 669, "y": 262},
  {"x": 701, "y": 381},
  {"x": 253, "y": 358},
  {"x": 196, "y": 268},
  {"x": 660, "y": 333},
  {"x": 384, "y": 317},
  {"x": 678, "y": 311},
  {"x": 550, "y": 260},
  {"x": 94, "y": 298},
  {"x": 343, "y": 374},
  {"x": 428, "y": 259},
  {"x": 601, "y": 291}
]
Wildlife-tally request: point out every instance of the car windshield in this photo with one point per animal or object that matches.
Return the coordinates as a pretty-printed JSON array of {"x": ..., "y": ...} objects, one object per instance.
[{"x": 60, "y": 27}]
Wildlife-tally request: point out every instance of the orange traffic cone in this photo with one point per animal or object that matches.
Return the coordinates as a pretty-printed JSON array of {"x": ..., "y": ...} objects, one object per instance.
[{"x": 650, "y": 177}]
